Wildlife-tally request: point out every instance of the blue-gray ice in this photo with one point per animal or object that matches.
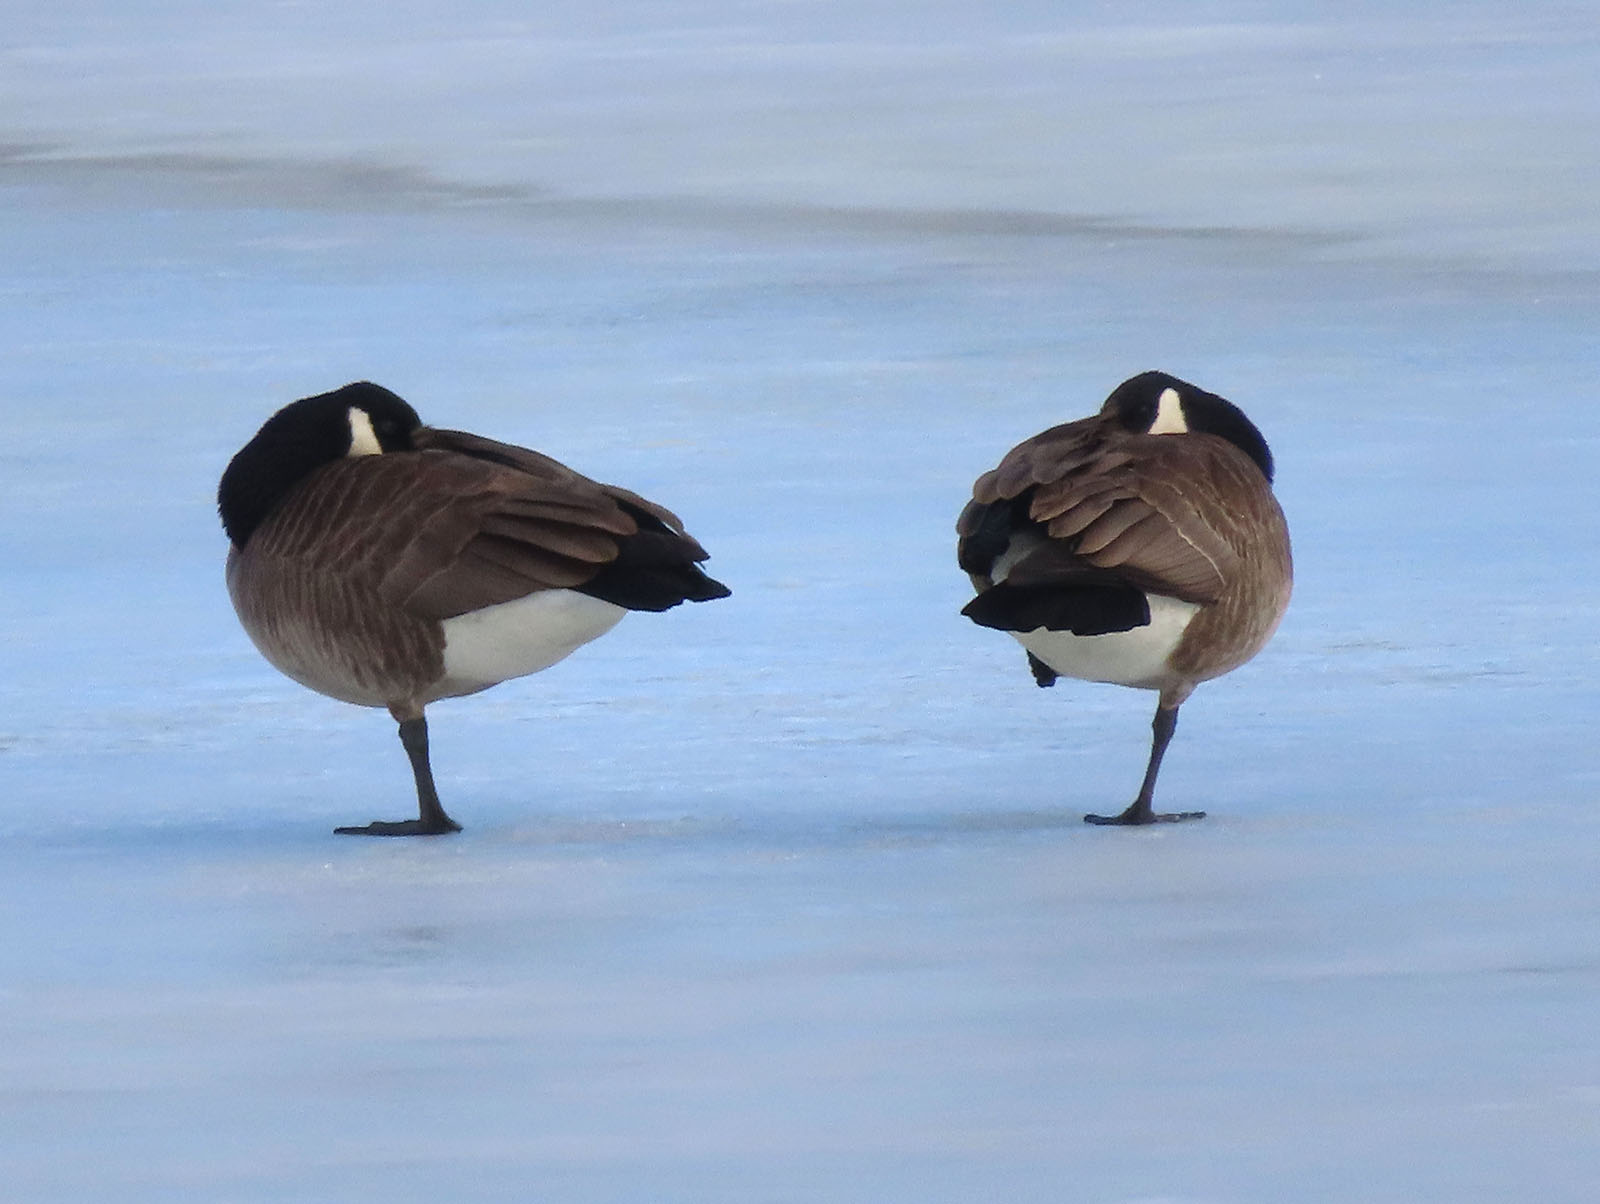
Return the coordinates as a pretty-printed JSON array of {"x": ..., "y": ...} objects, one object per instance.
[{"x": 786, "y": 898}]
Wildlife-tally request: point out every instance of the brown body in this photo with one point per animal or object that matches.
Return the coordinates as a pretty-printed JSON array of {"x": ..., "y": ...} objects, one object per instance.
[
  {"x": 356, "y": 610},
  {"x": 1183, "y": 516},
  {"x": 386, "y": 563},
  {"x": 1153, "y": 560}
]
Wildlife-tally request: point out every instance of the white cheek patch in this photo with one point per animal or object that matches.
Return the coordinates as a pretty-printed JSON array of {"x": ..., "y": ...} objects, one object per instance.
[
  {"x": 363, "y": 439},
  {"x": 1169, "y": 415}
]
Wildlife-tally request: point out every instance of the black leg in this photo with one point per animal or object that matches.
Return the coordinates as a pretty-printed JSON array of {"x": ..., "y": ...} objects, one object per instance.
[
  {"x": 431, "y": 819},
  {"x": 1140, "y": 810}
]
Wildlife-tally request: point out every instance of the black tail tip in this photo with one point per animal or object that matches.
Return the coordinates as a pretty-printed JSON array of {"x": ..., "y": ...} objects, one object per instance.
[
  {"x": 982, "y": 611},
  {"x": 710, "y": 590}
]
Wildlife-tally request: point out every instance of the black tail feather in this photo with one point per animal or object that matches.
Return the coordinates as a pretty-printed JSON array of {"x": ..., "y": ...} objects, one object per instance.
[
  {"x": 654, "y": 570},
  {"x": 1080, "y": 609}
]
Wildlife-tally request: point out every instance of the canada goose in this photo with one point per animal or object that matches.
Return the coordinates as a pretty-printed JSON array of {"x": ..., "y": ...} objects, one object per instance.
[
  {"x": 1141, "y": 546},
  {"x": 387, "y": 563}
]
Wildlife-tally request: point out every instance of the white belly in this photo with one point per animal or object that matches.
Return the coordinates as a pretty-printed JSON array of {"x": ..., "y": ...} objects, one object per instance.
[
  {"x": 1125, "y": 658},
  {"x": 520, "y": 637}
]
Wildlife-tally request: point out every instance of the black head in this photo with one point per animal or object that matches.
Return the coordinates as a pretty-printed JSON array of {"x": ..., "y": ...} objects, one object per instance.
[
  {"x": 361, "y": 419},
  {"x": 1154, "y": 403}
]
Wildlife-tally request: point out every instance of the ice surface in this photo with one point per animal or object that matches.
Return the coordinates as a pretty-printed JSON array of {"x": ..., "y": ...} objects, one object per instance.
[{"x": 786, "y": 898}]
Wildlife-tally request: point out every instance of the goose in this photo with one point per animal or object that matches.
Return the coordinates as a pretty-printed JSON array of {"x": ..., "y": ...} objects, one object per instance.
[
  {"x": 1141, "y": 546},
  {"x": 390, "y": 564}
]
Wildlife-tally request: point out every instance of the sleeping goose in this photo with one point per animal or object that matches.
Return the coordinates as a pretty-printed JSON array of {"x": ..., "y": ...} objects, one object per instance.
[
  {"x": 390, "y": 564},
  {"x": 1141, "y": 546}
]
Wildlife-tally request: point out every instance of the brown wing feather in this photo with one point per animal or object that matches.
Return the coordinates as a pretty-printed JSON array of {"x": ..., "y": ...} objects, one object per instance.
[
  {"x": 639, "y": 553},
  {"x": 1106, "y": 498},
  {"x": 603, "y": 506},
  {"x": 1117, "y": 518},
  {"x": 567, "y": 538},
  {"x": 460, "y": 532},
  {"x": 569, "y": 487}
]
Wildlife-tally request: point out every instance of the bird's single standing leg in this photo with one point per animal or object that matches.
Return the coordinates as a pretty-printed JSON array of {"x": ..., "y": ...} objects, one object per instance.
[
  {"x": 431, "y": 819},
  {"x": 1140, "y": 810},
  {"x": 414, "y": 737}
]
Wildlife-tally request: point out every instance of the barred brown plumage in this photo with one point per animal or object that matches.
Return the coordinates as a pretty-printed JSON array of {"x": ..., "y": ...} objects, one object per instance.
[
  {"x": 385, "y": 563},
  {"x": 1141, "y": 546}
]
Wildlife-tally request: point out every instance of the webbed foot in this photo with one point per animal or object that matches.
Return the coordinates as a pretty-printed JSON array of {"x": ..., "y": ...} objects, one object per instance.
[
  {"x": 1135, "y": 816},
  {"x": 405, "y": 827}
]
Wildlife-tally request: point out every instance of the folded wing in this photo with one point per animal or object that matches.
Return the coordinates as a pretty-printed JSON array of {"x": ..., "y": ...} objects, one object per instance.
[
  {"x": 470, "y": 522},
  {"x": 1076, "y": 524}
]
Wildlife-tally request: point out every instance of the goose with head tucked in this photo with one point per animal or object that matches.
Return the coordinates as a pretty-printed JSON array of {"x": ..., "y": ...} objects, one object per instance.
[
  {"x": 1141, "y": 546},
  {"x": 391, "y": 564}
]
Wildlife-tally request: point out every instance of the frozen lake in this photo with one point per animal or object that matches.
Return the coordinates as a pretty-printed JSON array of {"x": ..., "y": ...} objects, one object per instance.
[{"x": 787, "y": 898}]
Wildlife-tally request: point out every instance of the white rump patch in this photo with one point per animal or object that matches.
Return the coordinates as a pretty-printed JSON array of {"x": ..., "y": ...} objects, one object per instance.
[
  {"x": 1169, "y": 417},
  {"x": 1124, "y": 658},
  {"x": 520, "y": 637},
  {"x": 363, "y": 439}
]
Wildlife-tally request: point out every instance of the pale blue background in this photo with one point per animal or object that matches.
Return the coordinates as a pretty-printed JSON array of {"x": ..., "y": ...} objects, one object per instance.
[{"x": 786, "y": 898}]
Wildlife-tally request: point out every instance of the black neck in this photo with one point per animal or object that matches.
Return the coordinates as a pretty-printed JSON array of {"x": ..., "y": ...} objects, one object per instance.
[
  {"x": 1227, "y": 421},
  {"x": 286, "y": 450}
]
